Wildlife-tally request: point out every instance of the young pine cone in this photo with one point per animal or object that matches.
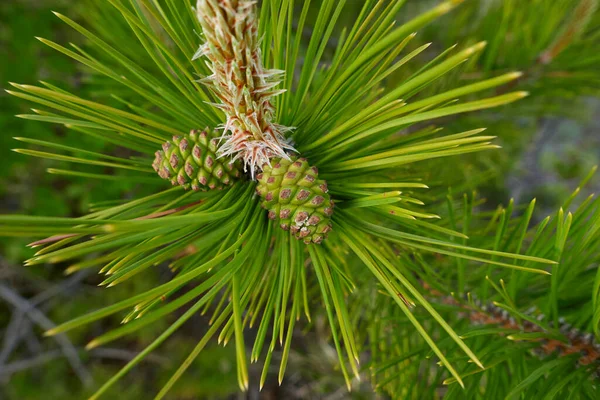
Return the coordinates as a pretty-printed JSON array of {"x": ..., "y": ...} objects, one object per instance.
[
  {"x": 191, "y": 161},
  {"x": 292, "y": 193}
]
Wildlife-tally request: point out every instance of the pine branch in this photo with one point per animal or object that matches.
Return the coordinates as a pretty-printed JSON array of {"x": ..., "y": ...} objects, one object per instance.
[{"x": 371, "y": 141}]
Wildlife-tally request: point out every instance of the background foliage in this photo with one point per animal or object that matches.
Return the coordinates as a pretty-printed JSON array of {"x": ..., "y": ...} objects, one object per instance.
[{"x": 549, "y": 144}]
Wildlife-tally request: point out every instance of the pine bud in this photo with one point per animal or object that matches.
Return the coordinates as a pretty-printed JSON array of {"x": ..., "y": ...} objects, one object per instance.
[{"x": 243, "y": 85}]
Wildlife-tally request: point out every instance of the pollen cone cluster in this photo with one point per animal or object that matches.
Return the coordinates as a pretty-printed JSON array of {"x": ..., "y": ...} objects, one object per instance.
[
  {"x": 191, "y": 161},
  {"x": 293, "y": 194},
  {"x": 240, "y": 81}
]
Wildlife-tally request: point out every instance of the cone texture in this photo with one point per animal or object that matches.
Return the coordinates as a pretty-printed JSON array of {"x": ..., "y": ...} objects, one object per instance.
[
  {"x": 240, "y": 81},
  {"x": 294, "y": 195},
  {"x": 191, "y": 161}
]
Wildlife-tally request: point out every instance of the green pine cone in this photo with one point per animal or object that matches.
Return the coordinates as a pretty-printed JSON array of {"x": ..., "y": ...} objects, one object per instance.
[
  {"x": 191, "y": 161},
  {"x": 293, "y": 193}
]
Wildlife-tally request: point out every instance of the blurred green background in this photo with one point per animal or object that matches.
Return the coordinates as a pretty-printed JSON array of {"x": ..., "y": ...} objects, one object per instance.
[
  {"x": 550, "y": 142},
  {"x": 31, "y": 366}
]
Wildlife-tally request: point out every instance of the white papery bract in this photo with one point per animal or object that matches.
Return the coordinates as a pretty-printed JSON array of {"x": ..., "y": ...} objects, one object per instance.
[{"x": 242, "y": 84}]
